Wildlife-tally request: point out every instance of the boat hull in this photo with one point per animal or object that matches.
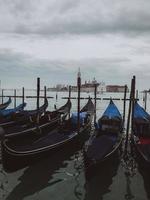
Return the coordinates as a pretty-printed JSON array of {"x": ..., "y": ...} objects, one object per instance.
[
  {"x": 142, "y": 154},
  {"x": 13, "y": 161},
  {"x": 92, "y": 167},
  {"x": 18, "y": 152}
]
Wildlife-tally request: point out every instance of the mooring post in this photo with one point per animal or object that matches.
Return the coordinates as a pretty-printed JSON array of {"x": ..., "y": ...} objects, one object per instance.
[
  {"x": 38, "y": 92},
  {"x": 78, "y": 107},
  {"x": 95, "y": 96},
  {"x": 45, "y": 96},
  {"x": 69, "y": 97},
  {"x": 23, "y": 95},
  {"x": 69, "y": 91},
  {"x": 14, "y": 98},
  {"x": 56, "y": 96},
  {"x": 124, "y": 105},
  {"x": 128, "y": 119},
  {"x": 133, "y": 102},
  {"x": 2, "y": 96},
  {"x": 137, "y": 94},
  {"x": 145, "y": 100},
  {"x": 38, "y": 99}
]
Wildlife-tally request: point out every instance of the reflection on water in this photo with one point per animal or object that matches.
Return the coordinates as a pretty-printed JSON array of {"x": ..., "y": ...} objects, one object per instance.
[
  {"x": 99, "y": 184},
  {"x": 128, "y": 195},
  {"x": 3, "y": 183},
  {"x": 130, "y": 170},
  {"x": 62, "y": 177},
  {"x": 78, "y": 168},
  {"x": 40, "y": 176},
  {"x": 146, "y": 177}
]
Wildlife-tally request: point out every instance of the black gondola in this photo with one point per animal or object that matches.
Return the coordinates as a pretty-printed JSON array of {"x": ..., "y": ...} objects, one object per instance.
[
  {"x": 105, "y": 140},
  {"x": 19, "y": 150},
  {"x": 47, "y": 121},
  {"x": 6, "y": 104},
  {"x": 7, "y": 113},
  {"x": 22, "y": 116},
  {"x": 141, "y": 133}
]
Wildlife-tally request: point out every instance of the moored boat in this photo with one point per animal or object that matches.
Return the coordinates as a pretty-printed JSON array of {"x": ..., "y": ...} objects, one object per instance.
[
  {"x": 106, "y": 139},
  {"x": 19, "y": 151},
  {"x": 46, "y": 121},
  {"x": 141, "y": 134},
  {"x": 18, "y": 115},
  {"x": 5, "y": 105},
  {"x": 6, "y": 113}
]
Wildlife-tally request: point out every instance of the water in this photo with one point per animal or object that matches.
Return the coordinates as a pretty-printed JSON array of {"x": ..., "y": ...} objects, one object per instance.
[{"x": 61, "y": 176}]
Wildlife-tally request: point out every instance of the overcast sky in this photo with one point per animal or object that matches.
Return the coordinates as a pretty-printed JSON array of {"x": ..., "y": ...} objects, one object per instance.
[{"x": 108, "y": 40}]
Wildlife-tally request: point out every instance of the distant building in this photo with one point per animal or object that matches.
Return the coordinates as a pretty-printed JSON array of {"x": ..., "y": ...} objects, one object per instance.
[
  {"x": 89, "y": 86},
  {"x": 115, "y": 88},
  {"x": 59, "y": 88}
]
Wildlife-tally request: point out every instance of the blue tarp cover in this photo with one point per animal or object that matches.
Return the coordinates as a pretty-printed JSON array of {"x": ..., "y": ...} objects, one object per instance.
[
  {"x": 140, "y": 113},
  {"x": 74, "y": 118},
  {"x": 112, "y": 111},
  {"x": 10, "y": 111}
]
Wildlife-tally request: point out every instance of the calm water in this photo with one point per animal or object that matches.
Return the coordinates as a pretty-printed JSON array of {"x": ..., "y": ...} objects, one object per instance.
[{"x": 61, "y": 176}]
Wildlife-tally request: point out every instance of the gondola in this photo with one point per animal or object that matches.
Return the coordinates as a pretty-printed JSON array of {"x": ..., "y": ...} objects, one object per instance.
[
  {"x": 106, "y": 139},
  {"x": 20, "y": 151},
  {"x": 46, "y": 121},
  {"x": 140, "y": 136},
  {"x": 6, "y": 104},
  {"x": 9, "y": 112},
  {"x": 21, "y": 116}
]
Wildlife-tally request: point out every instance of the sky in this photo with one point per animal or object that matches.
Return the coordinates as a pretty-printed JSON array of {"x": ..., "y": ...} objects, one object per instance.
[{"x": 108, "y": 40}]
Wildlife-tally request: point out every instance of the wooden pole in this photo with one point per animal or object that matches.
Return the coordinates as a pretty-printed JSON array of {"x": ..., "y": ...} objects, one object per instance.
[
  {"x": 69, "y": 97},
  {"x": 78, "y": 107},
  {"x": 137, "y": 94},
  {"x": 2, "y": 96},
  {"x": 14, "y": 98},
  {"x": 23, "y": 95},
  {"x": 38, "y": 92},
  {"x": 45, "y": 94},
  {"x": 124, "y": 105},
  {"x": 56, "y": 96},
  {"x": 95, "y": 96},
  {"x": 128, "y": 120},
  {"x": 69, "y": 91},
  {"x": 133, "y": 102},
  {"x": 145, "y": 100}
]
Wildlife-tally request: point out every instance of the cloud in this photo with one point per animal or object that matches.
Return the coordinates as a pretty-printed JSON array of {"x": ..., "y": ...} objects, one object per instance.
[
  {"x": 65, "y": 17},
  {"x": 23, "y": 69},
  {"x": 51, "y": 39},
  {"x": 19, "y": 68}
]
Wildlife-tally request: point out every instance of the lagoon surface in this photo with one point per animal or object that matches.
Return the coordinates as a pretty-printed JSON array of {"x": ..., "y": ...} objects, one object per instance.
[{"x": 61, "y": 176}]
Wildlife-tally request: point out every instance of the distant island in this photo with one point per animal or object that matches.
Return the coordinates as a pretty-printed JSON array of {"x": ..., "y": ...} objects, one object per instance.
[{"x": 88, "y": 86}]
